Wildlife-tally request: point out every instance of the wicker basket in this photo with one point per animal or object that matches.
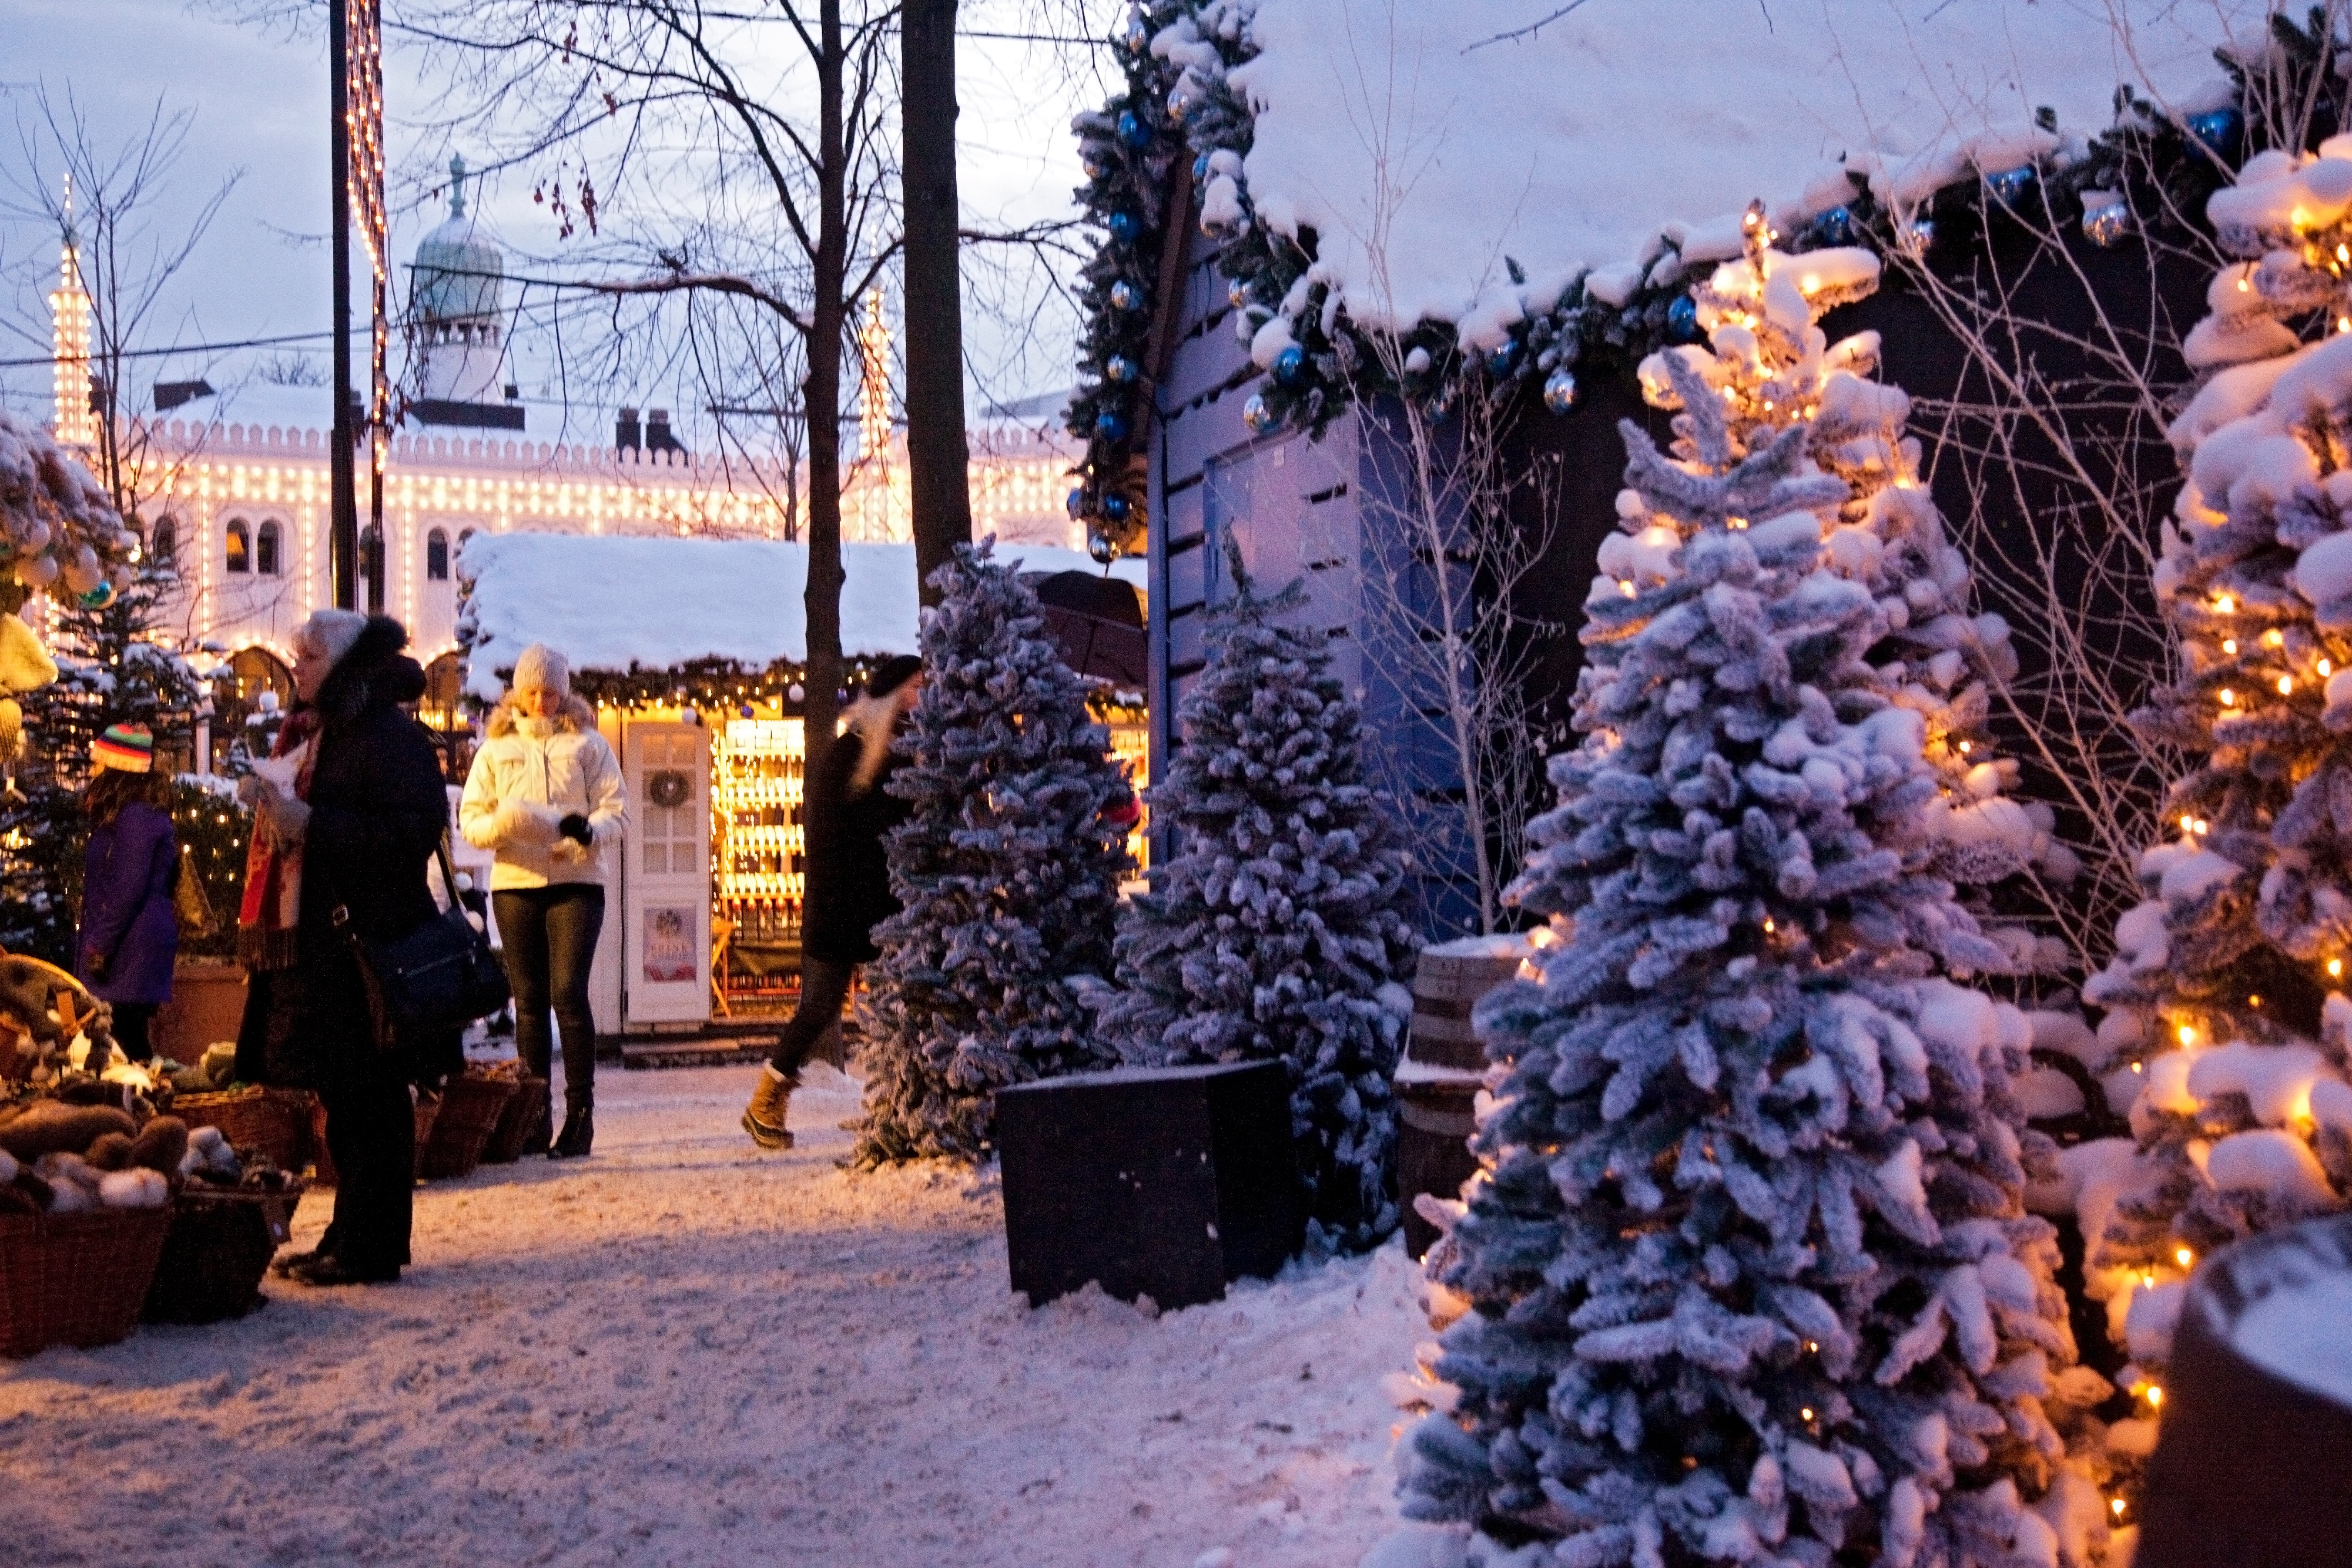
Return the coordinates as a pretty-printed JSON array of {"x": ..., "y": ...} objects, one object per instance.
[
  {"x": 471, "y": 1106},
  {"x": 272, "y": 1121},
  {"x": 322, "y": 1161},
  {"x": 524, "y": 1116},
  {"x": 76, "y": 1278},
  {"x": 216, "y": 1253}
]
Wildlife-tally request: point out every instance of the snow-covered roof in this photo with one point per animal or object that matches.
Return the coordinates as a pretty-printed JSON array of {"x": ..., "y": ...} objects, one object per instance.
[
  {"x": 617, "y": 604},
  {"x": 1572, "y": 147}
]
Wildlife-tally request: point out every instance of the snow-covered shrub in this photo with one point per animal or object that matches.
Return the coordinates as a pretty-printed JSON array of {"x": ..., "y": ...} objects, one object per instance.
[
  {"x": 1008, "y": 873},
  {"x": 1748, "y": 1272},
  {"x": 1275, "y": 932}
]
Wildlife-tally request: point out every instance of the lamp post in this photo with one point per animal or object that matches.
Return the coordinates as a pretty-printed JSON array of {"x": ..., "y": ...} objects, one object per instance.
[{"x": 343, "y": 524}]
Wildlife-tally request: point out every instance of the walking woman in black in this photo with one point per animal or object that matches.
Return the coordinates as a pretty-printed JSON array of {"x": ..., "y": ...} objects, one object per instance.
[
  {"x": 848, "y": 812},
  {"x": 346, "y": 816}
]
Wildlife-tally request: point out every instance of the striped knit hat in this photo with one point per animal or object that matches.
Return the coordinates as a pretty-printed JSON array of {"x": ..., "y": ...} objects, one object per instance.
[{"x": 129, "y": 747}]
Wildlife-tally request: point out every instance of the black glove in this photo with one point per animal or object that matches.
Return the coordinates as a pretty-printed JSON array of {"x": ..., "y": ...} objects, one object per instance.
[{"x": 574, "y": 827}]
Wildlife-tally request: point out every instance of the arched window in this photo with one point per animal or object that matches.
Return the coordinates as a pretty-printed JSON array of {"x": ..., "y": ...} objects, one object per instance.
[
  {"x": 163, "y": 540},
  {"x": 437, "y": 556},
  {"x": 240, "y": 546},
  {"x": 265, "y": 552}
]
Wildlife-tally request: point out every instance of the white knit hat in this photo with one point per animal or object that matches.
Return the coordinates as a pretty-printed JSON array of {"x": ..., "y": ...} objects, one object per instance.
[
  {"x": 540, "y": 668},
  {"x": 332, "y": 632}
]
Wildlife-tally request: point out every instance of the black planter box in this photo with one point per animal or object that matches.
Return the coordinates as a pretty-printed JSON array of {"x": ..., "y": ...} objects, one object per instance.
[{"x": 1163, "y": 1182}]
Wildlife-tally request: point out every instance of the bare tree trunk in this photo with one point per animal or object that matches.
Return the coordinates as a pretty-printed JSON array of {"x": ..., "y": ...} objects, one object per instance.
[
  {"x": 828, "y": 310},
  {"x": 936, "y": 452}
]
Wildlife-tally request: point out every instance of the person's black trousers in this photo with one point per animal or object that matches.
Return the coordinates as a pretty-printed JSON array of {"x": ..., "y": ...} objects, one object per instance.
[
  {"x": 130, "y": 1021},
  {"x": 371, "y": 1137},
  {"x": 824, "y": 986},
  {"x": 549, "y": 937}
]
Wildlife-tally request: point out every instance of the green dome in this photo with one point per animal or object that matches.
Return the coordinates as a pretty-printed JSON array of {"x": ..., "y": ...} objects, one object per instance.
[{"x": 460, "y": 272}]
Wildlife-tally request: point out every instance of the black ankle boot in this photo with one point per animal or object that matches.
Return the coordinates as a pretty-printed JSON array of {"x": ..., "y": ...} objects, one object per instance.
[{"x": 579, "y": 1132}]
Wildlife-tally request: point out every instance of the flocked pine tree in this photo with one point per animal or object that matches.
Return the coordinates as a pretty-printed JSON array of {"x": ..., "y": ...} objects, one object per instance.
[
  {"x": 2227, "y": 1012},
  {"x": 1748, "y": 1273},
  {"x": 1008, "y": 873},
  {"x": 1275, "y": 932}
]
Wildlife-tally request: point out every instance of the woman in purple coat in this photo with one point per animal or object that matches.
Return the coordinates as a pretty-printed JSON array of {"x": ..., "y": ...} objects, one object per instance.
[{"x": 130, "y": 933}]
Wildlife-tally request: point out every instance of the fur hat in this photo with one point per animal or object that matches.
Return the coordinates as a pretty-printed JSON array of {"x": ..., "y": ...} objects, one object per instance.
[
  {"x": 542, "y": 668},
  {"x": 332, "y": 632},
  {"x": 891, "y": 674}
]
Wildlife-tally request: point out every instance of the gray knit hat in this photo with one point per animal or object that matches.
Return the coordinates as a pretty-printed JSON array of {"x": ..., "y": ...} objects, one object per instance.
[
  {"x": 540, "y": 668},
  {"x": 332, "y": 632}
]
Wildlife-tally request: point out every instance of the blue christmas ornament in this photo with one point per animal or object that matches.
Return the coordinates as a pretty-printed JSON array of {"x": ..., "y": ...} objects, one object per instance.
[
  {"x": 1077, "y": 503},
  {"x": 2105, "y": 221},
  {"x": 1125, "y": 296},
  {"x": 1101, "y": 549},
  {"x": 1135, "y": 37},
  {"x": 1110, "y": 424},
  {"x": 1115, "y": 507},
  {"x": 1503, "y": 358},
  {"x": 1092, "y": 164},
  {"x": 1124, "y": 226},
  {"x": 1919, "y": 235},
  {"x": 746, "y": 710},
  {"x": 1180, "y": 103},
  {"x": 2220, "y": 129},
  {"x": 1236, "y": 293},
  {"x": 2011, "y": 185},
  {"x": 1119, "y": 368},
  {"x": 1559, "y": 390},
  {"x": 1133, "y": 131},
  {"x": 1682, "y": 320},
  {"x": 1257, "y": 415},
  {"x": 1837, "y": 226},
  {"x": 99, "y": 598},
  {"x": 1200, "y": 169},
  {"x": 1290, "y": 364}
]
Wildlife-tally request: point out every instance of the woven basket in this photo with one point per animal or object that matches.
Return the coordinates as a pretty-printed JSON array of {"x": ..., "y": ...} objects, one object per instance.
[
  {"x": 323, "y": 1162},
  {"x": 471, "y": 1106},
  {"x": 524, "y": 1116},
  {"x": 216, "y": 1254},
  {"x": 272, "y": 1121},
  {"x": 76, "y": 1278}
]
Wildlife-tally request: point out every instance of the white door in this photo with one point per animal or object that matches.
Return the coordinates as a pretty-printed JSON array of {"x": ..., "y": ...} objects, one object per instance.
[{"x": 666, "y": 909}]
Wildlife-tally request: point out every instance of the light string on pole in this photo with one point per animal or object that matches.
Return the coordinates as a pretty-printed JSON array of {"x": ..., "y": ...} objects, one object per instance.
[{"x": 365, "y": 30}]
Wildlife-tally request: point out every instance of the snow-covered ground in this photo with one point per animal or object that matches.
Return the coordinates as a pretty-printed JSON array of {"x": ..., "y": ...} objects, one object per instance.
[{"x": 686, "y": 1351}]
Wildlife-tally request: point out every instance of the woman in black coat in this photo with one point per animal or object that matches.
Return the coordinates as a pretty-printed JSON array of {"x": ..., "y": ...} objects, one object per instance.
[
  {"x": 849, "y": 811},
  {"x": 356, "y": 832}
]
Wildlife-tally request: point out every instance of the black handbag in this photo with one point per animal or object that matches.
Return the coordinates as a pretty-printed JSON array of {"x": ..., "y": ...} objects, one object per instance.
[{"x": 440, "y": 976}]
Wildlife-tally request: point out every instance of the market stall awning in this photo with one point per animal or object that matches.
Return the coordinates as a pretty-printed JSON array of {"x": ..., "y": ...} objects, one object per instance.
[{"x": 619, "y": 603}]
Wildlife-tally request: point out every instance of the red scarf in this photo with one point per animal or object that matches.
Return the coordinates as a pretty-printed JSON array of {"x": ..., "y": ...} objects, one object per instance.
[{"x": 272, "y": 906}]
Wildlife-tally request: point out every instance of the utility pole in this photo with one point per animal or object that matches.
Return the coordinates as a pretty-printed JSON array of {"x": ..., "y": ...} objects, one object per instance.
[
  {"x": 937, "y": 455},
  {"x": 343, "y": 524}
]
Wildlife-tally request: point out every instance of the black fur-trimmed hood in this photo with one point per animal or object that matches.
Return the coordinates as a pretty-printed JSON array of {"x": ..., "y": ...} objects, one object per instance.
[{"x": 375, "y": 674}]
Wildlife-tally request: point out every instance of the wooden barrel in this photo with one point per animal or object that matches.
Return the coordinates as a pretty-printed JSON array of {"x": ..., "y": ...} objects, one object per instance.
[
  {"x": 1437, "y": 1083},
  {"x": 1446, "y": 987}
]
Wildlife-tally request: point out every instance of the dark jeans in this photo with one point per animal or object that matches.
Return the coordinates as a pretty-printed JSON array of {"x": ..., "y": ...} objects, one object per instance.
[
  {"x": 371, "y": 1136},
  {"x": 824, "y": 986},
  {"x": 550, "y": 936},
  {"x": 130, "y": 1021}
]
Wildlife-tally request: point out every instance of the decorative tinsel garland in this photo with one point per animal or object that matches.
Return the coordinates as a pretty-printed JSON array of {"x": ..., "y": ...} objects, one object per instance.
[{"x": 1177, "y": 101}]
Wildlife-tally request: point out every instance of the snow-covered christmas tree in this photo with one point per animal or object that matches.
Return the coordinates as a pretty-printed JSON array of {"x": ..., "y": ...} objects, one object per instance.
[
  {"x": 1007, "y": 870},
  {"x": 2227, "y": 1010},
  {"x": 1748, "y": 1274},
  {"x": 1275, "y": 932}
]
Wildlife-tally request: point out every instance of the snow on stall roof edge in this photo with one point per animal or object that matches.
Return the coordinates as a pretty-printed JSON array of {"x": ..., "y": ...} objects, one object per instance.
[
  {"x": 1576, "y": 147},
  {"x": 621, "y": 602}
]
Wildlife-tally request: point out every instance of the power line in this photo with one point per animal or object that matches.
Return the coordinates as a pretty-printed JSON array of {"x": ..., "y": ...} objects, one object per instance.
[{"x": 180, "y": 349}]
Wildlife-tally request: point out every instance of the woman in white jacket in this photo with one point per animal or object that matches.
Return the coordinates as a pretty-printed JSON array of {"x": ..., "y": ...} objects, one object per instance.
[{"x": 545, "y": 796}]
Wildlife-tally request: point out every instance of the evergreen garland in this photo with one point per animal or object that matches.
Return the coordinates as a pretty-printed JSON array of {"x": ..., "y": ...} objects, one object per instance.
[
  {"x": 1007, "y": 872},
  {"x": 1277, "y": 930}
]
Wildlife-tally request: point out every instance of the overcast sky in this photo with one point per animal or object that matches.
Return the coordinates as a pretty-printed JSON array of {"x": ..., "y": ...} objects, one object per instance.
[{"x": 257, "y": 96}]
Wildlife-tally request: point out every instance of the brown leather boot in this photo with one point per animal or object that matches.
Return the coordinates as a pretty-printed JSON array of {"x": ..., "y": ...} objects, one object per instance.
[{"x": 764, "y": 1120}]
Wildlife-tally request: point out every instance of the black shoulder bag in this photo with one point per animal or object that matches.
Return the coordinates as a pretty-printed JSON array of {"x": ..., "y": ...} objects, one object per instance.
[{"x": 441, "y": 975}]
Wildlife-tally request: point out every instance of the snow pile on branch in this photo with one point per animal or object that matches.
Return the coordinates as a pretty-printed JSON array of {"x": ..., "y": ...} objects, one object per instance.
[
  {"x": 1007, "y": 870},
  {"x": 1276, "y": 931},
  {"x": 59, "y": 525},
  {"x": 1748, "y": 1272},
  {"x": 1424, "y": 144},
  {"x": 617, "y": 602}
]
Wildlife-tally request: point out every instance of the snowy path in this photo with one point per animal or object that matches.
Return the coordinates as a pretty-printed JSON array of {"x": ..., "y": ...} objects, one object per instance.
[{"x": 686, "y": 1351}]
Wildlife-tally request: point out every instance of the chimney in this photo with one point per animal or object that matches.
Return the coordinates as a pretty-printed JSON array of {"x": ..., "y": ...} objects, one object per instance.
[
  {"x": 658, "y": 436},
  {"x": 625, "y": 431}
]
